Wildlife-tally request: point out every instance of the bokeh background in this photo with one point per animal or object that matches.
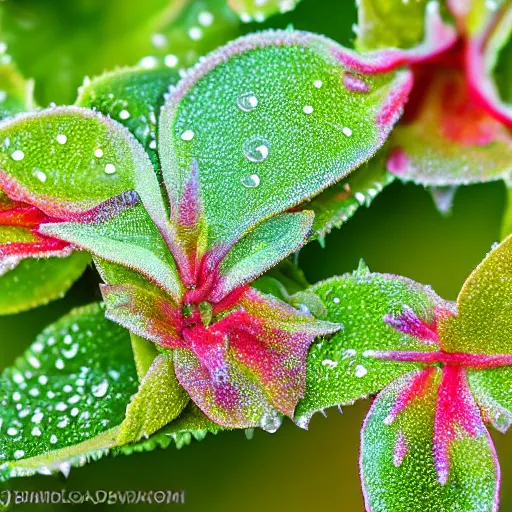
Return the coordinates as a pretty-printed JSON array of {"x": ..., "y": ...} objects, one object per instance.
[{"x": 57, "y": 42}]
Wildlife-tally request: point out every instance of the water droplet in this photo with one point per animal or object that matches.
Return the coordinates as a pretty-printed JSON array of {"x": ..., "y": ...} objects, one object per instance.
[
  {"x": 256, "y": 150},
  {"x": 61, "y": 138},
  {"x": 159, "y": 40},
  {"x": 336, "y": 300},
  {"x": 37, "y": 417},
  {"x": 42, "y": 379},
  {"x": 195, "y": 33},
  {"x": 245, "y": 17},
  {"x": 152, "y": 144},
  {"x": 101, "y": 389},
  {"x": 18, "y": 155},
  {"x": 18, "y": 454},
  {"x": 3, "y": 96},
  {"x": 39, "y": 175},
  {"x": 329, "y": 363},
  {"x": 360, "y": 198},
  {"x": 270, "y": 422},
  {"x": 124, "y": 114},
  {"x": 171, "y": 61},
  {"x": 247, "y": 101},
  {"x": 360, "y": 371},
  {"x": 148, "y": 62},
  {"x": 36, "y": 431},
  {"x": 53, "y": 439},
  {"x": 11, "y": 431},
  {"x": 318, "y": 84},
  {"x": 251, "y": 181},
  {"x": 187, "y": 135},
  {"x": 61, "y": 406},
  {"x": 346, "y": 131},
  {"x": 205, "y": 18},
  {"x": 110, "y": 169},
  {"x": 308, "y": 109}
]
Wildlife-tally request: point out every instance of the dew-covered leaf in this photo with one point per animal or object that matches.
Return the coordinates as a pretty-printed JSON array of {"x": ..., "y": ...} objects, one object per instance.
[
  {"x": 160, "y": 400},
  {"x": 339, "y": 369},
  {"x": 335, "y": 205},
  {"x": 398, "y": 456},
  {"x": 491, "y": 389},
  {"x": 483, "y": 324},
  {"x": 15, "y": 91},
  {"x": 448, "y": 138},
  {"x": 69, "y": 159},
  {"x": 389, "y": 24},
  {"x": 263, "y": 247},
  {"x": 129, "y": 238},
  {"x": 200, "y": 27},
  {"x": 133, "y": 97},
  {"x": 272, "y": 119},
  {"x": 251, "y": 10},
  {"x": 62, "y": 398},
  {"x": 34, "y": 282},
  {"x": 191, "y": 424}
]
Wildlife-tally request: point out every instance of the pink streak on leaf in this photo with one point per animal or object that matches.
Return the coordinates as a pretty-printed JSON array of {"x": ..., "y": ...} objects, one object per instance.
[
  {"x": 145, "y": 313},
  {"x": 397, "y": 162},
  {"x": 400, "y": 449},
  {"x": 415, "y": 388},
  {"x": 354, "y": 83},
  {"x": 409, "y": 323},
  {"x": 457, "y": 416}
]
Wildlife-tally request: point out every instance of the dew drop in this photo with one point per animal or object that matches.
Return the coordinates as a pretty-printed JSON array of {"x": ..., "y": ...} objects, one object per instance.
[
  {"x": 110, "y": 169},
  {"x": 205, "y": 18},
  {"x": 18, "y": 454},
  {"x": 171, "y": 61},
  {"x": 36, "y": 431},
  {"x": 251, "y": 181},
  {"x": 270, "y": 422},
  {"x": 336, "y": 300},
  {"x": 308, "y": 109},
  {"x": 346, "y": 131},
  {"x": 360, "y": 371},
  {"x": 53, "y": 439},
  {"x": 11, "y": 431},
  {"x": 18, "y": 155},
  {"x": 318, "y": 84},
  {"x": 39, "y": 175},
  {"x": 195, "y": 33},
  {"x": 247, "y": 101},
  {"x": 37, "y": 417},
  {"x": 124, "y": 114},
  {"x": 256, "y": 150},
  {"x": 61, "y": 138},
  {"x": 101, "y": 389},
  {"x": 159, "y": 40},
  {"x": 3, "y": 96},
  {"x": 187, "y": 135}
]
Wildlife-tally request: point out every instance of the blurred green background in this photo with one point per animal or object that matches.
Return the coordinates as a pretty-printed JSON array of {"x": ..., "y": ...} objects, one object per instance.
[{"x": 57, "y": 42}]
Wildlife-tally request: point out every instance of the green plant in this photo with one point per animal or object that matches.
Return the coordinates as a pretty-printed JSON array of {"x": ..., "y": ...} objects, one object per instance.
[{"x": 186, "y": 187}]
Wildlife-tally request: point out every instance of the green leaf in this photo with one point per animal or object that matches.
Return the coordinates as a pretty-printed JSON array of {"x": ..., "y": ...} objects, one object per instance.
[
  {"x": 338, "y": 372},
  {"x": 335, "y": 205},
  {"x": 491, "y": 389},
  {"x": 271, "y": 123},
  {"x": 191, "y": 424},
  {"x": 389, "y": 24},
  {"x": 397, "y": 462},
  {"x": 269, "y": 242},
  {"x": 160, "y": 399},
  {"x": 483, "y": 324},
  {"x": 67, "y": 160},
  {"x": 133, "y": 97},
  {"x": 144, "y": 353},
  {"x": 15, "y": 91},
  {"x": 129, "y": 238},
  {"x": 34, "y": 282},
  {"x": 249, "y": 10},
  {"x": 62, "y": 398}
]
